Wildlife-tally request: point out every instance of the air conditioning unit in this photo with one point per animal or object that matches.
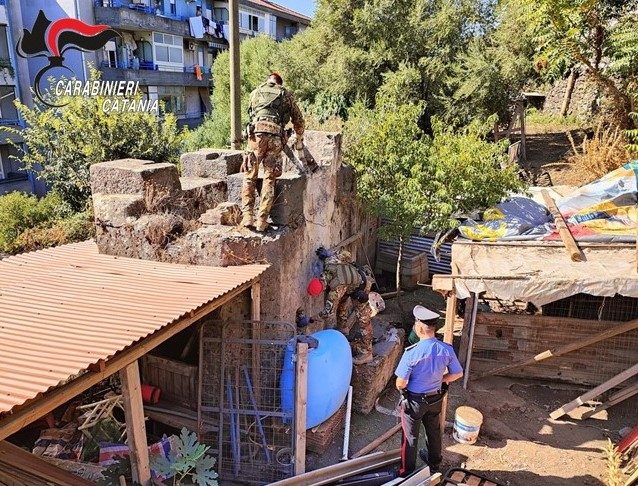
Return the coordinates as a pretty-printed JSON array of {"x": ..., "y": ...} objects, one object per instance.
[{"x": 192, "y": 46}]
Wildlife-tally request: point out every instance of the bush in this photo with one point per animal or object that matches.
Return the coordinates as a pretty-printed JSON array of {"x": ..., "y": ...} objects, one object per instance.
[
  {"x": 27, "y": 223},
  {"x": 62, "y": 143}
]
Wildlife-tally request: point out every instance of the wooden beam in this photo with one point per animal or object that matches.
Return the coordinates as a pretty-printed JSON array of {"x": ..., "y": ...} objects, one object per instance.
[
  {"x": 36, "y": 408},
  {"x": 603, "y": 387},
  {"x": 301, "y": 402},
  {"x": 448, "y": 337},
  {"x": 377, "y": 442},
  {"x": 30, "y": 469},
  {"x": 135, "y": 425},
  {"x": 568, "y": 348},
  {"x": 573, "y": 250},
  {"x": 619, "y": 396},
  {"x": 465, "y": 333},
  {"x": 470, "y": 343},
  {"x": 423, "y": 478},
  {"x": 347, "y": 241}
]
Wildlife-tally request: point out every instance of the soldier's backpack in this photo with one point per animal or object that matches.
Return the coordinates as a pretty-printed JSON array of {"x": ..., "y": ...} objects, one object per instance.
[{"x": 268, "y": 103}]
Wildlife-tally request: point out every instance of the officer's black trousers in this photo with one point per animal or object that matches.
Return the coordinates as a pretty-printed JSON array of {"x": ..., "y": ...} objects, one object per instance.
[{"x": 416, "y": 410}]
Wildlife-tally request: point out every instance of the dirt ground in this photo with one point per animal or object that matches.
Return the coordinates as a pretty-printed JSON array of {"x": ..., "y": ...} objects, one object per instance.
[{"x": 518, "y": 444}]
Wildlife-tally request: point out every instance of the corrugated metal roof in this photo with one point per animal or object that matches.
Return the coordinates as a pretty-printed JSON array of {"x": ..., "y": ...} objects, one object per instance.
[{"x": 65, "y": 308}]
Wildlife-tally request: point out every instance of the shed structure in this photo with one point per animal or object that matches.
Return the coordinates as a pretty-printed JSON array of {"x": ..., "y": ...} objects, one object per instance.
[
  {"x": 530, "y": 311},
  {"x": 71, "y": 317}
]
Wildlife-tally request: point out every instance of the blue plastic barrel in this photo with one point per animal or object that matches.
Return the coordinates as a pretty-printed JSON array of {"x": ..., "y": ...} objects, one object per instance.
[{"x": 329, "y": 374}]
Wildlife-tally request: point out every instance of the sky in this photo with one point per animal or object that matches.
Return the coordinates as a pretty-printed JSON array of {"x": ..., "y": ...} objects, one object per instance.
[{"x": 303, "y": 6}]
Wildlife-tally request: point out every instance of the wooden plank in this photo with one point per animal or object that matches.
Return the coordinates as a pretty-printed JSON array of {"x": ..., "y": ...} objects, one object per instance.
[
  {"x": 448, "y": 336},
  {"x": 470, "y": 341},
  {"x": 200, "y": 384},
  {"x": 301, "y": 397},
  {"x": 135, "y": 425},
  {"x": 31, "y": 469},
  {"x": 377, "y": 442},
  {"x": 603, "y": 387},
  {"x": 34, "y": 409},
  {"x": 615, "y": 399},
  {"x": 423, "y": 477},
  {"x": 566, "y": 236},
  {"x": 568, "y": 348}
]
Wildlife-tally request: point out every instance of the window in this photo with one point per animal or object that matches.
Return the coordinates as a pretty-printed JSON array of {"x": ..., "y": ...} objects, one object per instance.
[
  {"x": 173, "y": 8},
  {"x": 221, "y": 14},
  {"x": 8, "y": 112},
  {"x": 110, "y": 53},
  {"x": 273, "y": 26},
  {"x": 251, "y": 22},
  {"x": 173, "y": 99},
  {"x": 4, "y": 46},
  {"x": 169, "y": 51}
]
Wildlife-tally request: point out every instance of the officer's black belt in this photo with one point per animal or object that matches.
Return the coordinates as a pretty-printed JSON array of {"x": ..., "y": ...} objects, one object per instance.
[{"x": 423, "y": 395}]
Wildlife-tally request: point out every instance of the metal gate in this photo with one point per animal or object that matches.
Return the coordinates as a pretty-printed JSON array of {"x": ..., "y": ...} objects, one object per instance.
[{"x": 246, "y": 398}]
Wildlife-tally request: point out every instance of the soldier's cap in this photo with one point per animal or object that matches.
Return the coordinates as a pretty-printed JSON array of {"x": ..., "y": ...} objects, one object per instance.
[{"x": 425, "y": 315}]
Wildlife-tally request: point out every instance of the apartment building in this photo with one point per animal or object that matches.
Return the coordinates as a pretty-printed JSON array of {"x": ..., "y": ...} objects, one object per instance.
[{"x": 12, "y": 175}]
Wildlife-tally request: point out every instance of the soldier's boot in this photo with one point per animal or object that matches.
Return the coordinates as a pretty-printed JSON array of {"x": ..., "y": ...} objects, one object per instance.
[
  {"x": 247, "y": 220},
  {"x": 261, "y": 226}
]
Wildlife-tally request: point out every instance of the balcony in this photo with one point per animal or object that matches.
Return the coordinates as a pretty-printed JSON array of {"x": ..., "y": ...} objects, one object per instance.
[
  {"x": 122, "y": 14},
  {"x": 149, "y": 75}
]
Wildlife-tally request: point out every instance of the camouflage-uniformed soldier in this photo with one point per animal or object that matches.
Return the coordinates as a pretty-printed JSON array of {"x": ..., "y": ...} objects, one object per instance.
[
  {"x": 345, "y": 280},
  {"x": 271, "y": 108}
]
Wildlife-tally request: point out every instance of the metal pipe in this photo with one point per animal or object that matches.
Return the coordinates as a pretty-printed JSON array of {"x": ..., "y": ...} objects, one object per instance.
[
  {"x": 260, "y": 427},
  {"x": 235, "y": 87},
  {"x": 234, "y": 440},
  {"x": 346, "y": 434}
]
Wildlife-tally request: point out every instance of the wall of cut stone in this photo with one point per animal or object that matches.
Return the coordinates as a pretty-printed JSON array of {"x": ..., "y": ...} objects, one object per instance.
[
  {"x": 585, "y": 102},
  {"x": 146, "y": 210}
]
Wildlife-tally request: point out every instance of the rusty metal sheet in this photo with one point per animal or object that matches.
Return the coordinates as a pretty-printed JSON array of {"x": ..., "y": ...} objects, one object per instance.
[{"x": 65, "y": 308}]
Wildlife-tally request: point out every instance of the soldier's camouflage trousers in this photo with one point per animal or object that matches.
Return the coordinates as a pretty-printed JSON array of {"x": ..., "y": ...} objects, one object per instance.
[
  {"x": 362, "y": 344},
  {"x": 263, "y": 149}
]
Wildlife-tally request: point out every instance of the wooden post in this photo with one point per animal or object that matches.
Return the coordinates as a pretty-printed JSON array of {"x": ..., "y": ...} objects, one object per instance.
[
  {"x": 470, "y": 344},
  {"x": 465, "y": 333},
  {"x": 571, "y": 82},
  {"x": 448, "y": 336},
  {"x": 135, "y": 426},
  {"x": 523, "y": 134},
  {"x": 301, "y": 397},
  {"x": 563, "y": 230},
  {"x": 235, "y": 83}
]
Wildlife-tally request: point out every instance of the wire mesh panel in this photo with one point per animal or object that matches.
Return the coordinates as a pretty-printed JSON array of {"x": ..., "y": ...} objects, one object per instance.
[{"x": 247, "y": 389}]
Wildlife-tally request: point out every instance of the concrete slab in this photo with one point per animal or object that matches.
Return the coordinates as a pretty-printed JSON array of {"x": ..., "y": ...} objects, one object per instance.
[
  {"x": 133, "y": 176},
  {"x": 213, "y": 163}
]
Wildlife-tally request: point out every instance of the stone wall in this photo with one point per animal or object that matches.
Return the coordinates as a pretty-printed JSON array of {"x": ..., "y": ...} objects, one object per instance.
[
  {"x": 585, "y": 101},
  {"x": 146, "y": 210}
]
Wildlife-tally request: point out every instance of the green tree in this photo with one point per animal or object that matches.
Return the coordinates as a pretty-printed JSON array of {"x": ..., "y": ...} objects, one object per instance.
[
  {"x": 258, "y": 57},
  {"x": 414, "y": 181},
  {"x": 588, "y": 34},
  {"x": 62, "y": 143}
]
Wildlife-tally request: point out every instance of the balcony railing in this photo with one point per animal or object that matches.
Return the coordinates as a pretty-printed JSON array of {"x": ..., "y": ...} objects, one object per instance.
[
  {"x": 139, "y": 7},
  {"x": 150, "y": 66}
]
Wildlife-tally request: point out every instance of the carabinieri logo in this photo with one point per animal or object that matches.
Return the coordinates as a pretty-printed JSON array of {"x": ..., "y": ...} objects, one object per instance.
[{"x": 53, "y": 39}]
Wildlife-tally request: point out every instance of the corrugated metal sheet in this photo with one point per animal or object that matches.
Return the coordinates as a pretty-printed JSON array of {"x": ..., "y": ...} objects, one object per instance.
[
  {"x": 65, "y": 308},
  {"x": 415, "y": 247}
]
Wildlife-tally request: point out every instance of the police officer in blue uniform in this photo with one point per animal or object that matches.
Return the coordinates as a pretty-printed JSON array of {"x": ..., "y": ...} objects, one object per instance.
[{"x": 425, "y": 370}]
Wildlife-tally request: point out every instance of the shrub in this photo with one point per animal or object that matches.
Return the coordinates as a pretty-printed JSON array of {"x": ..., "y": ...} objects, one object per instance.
[
  {"x": 62, "y": 143},
  {"x": 606, "y": 150},
  {"x": 19, "y": 212}
]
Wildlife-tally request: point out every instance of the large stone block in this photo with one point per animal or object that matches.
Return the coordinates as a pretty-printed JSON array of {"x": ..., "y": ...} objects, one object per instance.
[
  {"x": 324, "y": 147},
  {"x": 117, "y": 209},
  {"x": 198, "y": 196},
  {"x": 226, "y": 213},
  {"x": 289, "y": 196},
  {"x": 369, "y": 380},
  {"x": 212, "y": 163},
  {"x": 134, "y": 176}
]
